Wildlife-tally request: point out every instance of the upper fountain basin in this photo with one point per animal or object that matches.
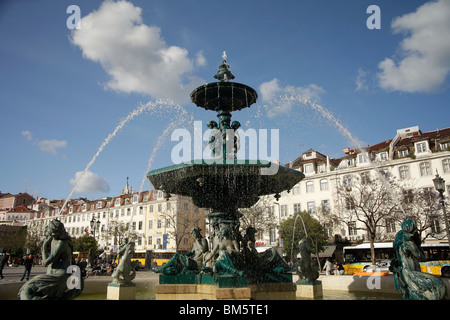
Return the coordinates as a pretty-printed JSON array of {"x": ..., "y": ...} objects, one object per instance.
[
  {"x": 230, "y": 184},
  {"x": 224, "y": 96}
]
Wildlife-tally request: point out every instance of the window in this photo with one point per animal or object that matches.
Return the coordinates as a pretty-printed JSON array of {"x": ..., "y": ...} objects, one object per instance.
[
  {"x": 99, "y": 205},
  {"x": 135, "y": 198},
  {"x": 390, "y": 225},
  {"x": 296, "y": 189},
  {"x": 283, "y": 210},
  {"x": 323, "y": 184},
  {"x": 159, "y": 207},
  {"x": 297, "y": 207},
  {"x": 159, "y": 225},
  {"x": 421, "y": 147},
  {"x": 347, "y": 181},
  {"x": 403, "y": 153},
  {"x": 446, "y": 165},
  {"x": 140, "y": 225},
  {"x": 435, "y": 226},
  {"x": 311, "y": 207},
  {"x": 363, "y": 158},
  {"x": 352, "y": 228},
  {"x": 321, "y": 168},
  {"x": 425, "y": 169},
  {"x": 325, "y": 205},
  {"x": 271, "y": 211},
  {"x": 445, "y": 146},
  {"x": 309, "y": 186},
  {"x": 365, "y": 178},
  {"x": 168, "y": 206},
  {"x": 150, "y": 240},
  {"x": 273, "y": 235},
  {"x": 117, "y": 202},
  {"x": 382, "y": 156},
  {"x": 150, "y": 224},
  {"x": 404, "y": 172},
  {"x": 308, "y": 168},
  {"x": 150, "y": 209}
]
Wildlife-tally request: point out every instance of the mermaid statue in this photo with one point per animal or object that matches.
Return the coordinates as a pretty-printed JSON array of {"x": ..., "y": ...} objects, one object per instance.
[
  {"x": 57, "y": 256},
  {"x": 410, "y": 282},
  {"x": 126, "y": 269},
  {"x": 191, "y": 262}
]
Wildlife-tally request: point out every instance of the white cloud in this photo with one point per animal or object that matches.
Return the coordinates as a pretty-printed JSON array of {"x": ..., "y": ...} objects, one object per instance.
[
  {"x": 272, "y": 90},
  {"x": 27, "y": 135},
  {"x": 134, "y": 54},
  {"x": 426, "y": 51},
  {"x": 89, "y": 183},
  {"x": 50, "y": 146},
  {"x": 361, "y": 81}
]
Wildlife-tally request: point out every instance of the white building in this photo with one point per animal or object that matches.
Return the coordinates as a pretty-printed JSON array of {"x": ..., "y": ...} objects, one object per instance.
[{"x": 412, "y": 157}]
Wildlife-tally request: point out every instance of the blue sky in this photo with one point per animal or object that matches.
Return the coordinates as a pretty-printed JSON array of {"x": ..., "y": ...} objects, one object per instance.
[{"x": 63, "y": 91}]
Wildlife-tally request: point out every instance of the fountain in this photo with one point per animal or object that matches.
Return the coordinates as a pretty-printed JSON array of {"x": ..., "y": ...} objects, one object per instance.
[{"x": 233, "y": 268}]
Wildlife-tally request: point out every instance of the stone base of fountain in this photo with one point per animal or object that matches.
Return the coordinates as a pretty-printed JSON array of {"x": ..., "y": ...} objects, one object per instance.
[
  {"x": 209, "y": 287},
  {"x": 306, "y": 289},
  {"x": 263, "y": 291},
  {"x": 121, "y": 291}
]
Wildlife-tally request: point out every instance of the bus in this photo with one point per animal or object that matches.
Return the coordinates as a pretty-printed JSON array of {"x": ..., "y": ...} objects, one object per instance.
[
  {"x": 151, "y": 258},
  {"x": 80, "y": 256},
  {"x": 158, "y": 258},
  {"x": 358, "y": 258}
]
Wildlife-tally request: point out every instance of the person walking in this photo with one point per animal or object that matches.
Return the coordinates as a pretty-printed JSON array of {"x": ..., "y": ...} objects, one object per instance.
[
  {"x": 328, "y": 267},
  {"x": 3, "y": 261},
  {"x": 28, "y": 264}
]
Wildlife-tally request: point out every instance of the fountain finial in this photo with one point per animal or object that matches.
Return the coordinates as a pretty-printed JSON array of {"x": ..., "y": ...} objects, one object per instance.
[{"x": 224, "y": 74}]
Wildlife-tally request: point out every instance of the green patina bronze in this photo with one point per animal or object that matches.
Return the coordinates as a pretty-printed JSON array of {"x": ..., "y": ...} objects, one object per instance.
[
  {"x": 224, "y": 184},
  {"x": 410, "y": 281}
]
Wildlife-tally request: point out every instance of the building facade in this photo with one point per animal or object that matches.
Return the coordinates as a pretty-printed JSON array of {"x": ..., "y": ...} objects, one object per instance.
[
  {"x": 411, "y": 158},
  {"x": 153, "y": 221}
]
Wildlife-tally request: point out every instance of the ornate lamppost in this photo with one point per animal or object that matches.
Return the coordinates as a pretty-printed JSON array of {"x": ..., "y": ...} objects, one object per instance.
[
  {"x": 439, "y": 184},
  {"x": 95, "y": 225}
]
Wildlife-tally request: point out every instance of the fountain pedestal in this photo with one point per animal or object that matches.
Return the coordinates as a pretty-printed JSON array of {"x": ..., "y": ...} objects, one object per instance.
[
  {"x": 121, "y": 291},
  {"x": 306, "y": 289}
]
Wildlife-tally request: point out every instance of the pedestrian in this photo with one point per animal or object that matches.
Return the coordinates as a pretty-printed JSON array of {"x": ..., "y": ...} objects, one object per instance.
[
  {"x": 28, "y": 264},
  {"x": 339, "y": 268},
  {"x": 328, "y": 267},
  {"x": 3, "y": 261}
]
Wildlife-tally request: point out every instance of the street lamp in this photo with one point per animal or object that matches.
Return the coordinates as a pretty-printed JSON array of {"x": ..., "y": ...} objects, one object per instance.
[
  {"x": 439, "y": 184},
  {"x": 95, "y": 225}
]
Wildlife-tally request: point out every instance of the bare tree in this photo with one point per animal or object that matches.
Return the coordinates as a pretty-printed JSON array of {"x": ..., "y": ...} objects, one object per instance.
[
  {"x": 366, "y": 203},
  {"x": 423, "y": 206},
  {"x": 260, "y": 216}
]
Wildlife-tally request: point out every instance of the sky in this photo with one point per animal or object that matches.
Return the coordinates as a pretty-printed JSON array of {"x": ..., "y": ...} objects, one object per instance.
[{"x": 103, "y": 93}]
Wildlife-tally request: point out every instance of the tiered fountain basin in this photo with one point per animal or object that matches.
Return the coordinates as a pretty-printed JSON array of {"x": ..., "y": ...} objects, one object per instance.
[{"x": 226, "y": 184}]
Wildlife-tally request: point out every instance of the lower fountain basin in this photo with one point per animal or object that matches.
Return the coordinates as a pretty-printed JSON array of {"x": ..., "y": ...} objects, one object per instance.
[{"x": 228, "y": 184}]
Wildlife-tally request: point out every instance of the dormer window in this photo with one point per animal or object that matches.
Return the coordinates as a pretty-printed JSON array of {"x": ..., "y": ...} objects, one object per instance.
[
  {"x": 135, "y": 198},
  {"x": 421, "y": 147},
  {"x": 363, "y": 158},
  {"x": 403, "y": 153},
  {"x": 382, "y": 156},
  {"x": 99, "y": 205},
  {"x": 117, "y": 202},
  {"x": 445, "y": 146},
  {"x": 84, "y": 207}
]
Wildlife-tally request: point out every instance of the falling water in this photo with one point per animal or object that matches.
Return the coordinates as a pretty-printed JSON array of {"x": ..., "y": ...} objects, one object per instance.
[
  {"x": 298, "y": 99},
  {"x": 150, "y": 106},
  {"x": 182, "y": 118}
]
